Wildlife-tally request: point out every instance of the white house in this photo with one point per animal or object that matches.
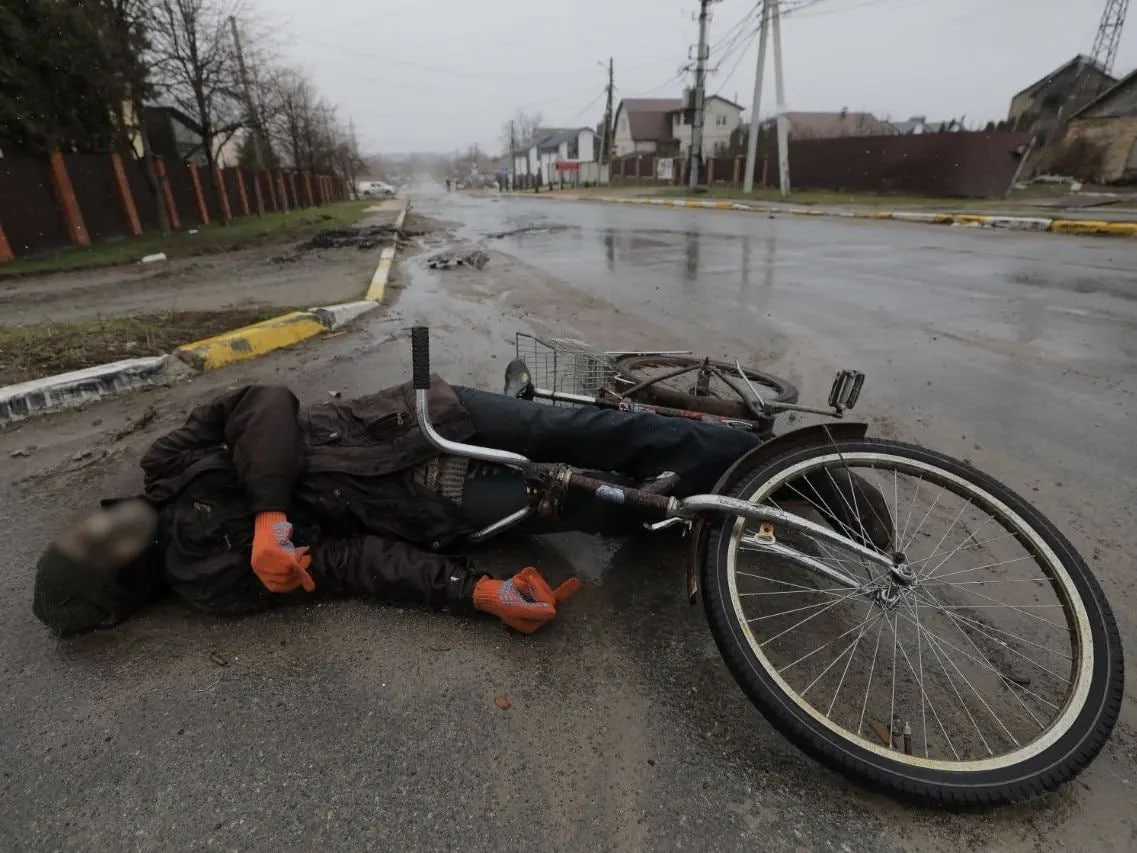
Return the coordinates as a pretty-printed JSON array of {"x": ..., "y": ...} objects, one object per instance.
[
  {"x": 553, "y": 145},
  {"x": 661, "y": 125},
  {"x": 720, "y": 119},
  {"x": 644, "y": 125}
]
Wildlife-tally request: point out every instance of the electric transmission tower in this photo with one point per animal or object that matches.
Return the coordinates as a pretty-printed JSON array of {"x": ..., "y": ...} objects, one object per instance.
[{"x": 1108, "y": 38}]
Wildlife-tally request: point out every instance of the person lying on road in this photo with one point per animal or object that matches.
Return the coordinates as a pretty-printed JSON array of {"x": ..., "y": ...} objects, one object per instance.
[{"x": 254, "y": 502}]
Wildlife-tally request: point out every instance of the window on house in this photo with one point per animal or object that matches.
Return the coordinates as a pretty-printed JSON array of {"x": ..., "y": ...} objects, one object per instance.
[{"x": 720, "y": 121}]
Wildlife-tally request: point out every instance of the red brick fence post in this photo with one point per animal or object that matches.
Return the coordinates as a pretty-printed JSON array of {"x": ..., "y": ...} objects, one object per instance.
[
  {"x": 125, "y": 197},
  {"x": 68, "y": 204},
  {"x": 167, "y": 193},
  {"x": 6, "y": 255},
  {"x": 199, "y": 196}
]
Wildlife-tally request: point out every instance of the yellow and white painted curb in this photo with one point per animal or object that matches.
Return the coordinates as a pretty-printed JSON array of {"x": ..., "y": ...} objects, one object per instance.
[
  {"x": 250, "y": 341},
  {"x": 378, "y": 288},
  {"x": 292, "y": 328},
  {"x": 968, "y": 220}
]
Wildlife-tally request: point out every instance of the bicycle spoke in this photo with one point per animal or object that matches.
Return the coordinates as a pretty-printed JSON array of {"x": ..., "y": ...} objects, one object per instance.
[
  {"x": 987, "y": 566},
  {"x": 935, "y": 714},
  {"x": 950, "y": 528},
  {"x": 848, "y": 663},
  {"x": 908, "y": 545},
  {"x": 955, "y": 690},
  {"x": 908, "y": 518},
  {"x": 936, "y": 552},
  {"x": 807, "y": 618},
  {"x": 972, "y": 547},
  {"x": 985, "y": 663},
  {"x": 923, "y": 693},
  {"x": 808, "y": 655},
  {"x": 1018, "y": 608},
  {"x": 872, "y": 669},
  {"x": 982, "y": 629},
  {"x": 834, "y": 662}
]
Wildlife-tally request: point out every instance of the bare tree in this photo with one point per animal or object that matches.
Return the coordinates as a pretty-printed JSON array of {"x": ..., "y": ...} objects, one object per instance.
[
  {"x": 290, "y": 124},
  {"x": 522, "y": 128},
  {"x": 195, "y": 66}
]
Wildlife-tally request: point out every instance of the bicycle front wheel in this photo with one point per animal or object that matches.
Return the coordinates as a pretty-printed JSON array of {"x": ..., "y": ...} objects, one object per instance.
[{"x": 985, "y": 667}]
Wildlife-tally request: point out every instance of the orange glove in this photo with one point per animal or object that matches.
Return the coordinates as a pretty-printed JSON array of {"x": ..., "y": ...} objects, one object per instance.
[
  {"x": 280, "y": 565},
  {"x": 525, "y": 601}
]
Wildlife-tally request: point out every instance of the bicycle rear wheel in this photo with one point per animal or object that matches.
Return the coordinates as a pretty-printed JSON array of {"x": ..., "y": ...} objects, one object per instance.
[
  {"x": 711, "y": 394},
  {"x": 985, "y": 668}
]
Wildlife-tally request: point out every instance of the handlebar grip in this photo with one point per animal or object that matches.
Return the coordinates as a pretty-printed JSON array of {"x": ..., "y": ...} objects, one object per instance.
[{"x": 420, "y": 357}]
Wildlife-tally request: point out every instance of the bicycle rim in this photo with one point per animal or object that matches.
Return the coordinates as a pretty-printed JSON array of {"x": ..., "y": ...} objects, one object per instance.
[{"x": 980, "y": 662}]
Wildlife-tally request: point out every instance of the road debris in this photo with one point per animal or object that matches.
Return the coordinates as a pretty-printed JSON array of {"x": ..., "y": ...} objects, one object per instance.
[
  {"x": 144, "y": 420},
  {"x": 156, "y": 257},
  {"x": 529, "y": 229},
  {"x": 23, "y": 451},
  {"x": 475, "y": 258},
  {"x": 502, "y": 703},
  {"x": 218, "y": 659},
  {"x": 362, "y": 237}
]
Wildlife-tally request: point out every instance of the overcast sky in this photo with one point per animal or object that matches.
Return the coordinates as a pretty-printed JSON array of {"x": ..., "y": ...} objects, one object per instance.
[{"x": 436, "y": 75}]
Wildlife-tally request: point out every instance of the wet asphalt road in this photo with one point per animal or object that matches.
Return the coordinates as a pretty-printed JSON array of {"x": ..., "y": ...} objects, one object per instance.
[{"x": 347, "y": 725}]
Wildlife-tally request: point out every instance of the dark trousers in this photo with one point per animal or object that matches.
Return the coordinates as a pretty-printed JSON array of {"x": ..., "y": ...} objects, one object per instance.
[{"x": 618, "y": 446}]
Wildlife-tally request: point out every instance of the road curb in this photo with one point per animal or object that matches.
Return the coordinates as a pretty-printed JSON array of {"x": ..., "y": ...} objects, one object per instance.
[
  {"x": 250, "y": 341},
  {"x": 378, "y": 288},
  {"x": 337, "y": 316},
  {"x": 1092, "y": 227},
  {"x": 68, "y": 390}
]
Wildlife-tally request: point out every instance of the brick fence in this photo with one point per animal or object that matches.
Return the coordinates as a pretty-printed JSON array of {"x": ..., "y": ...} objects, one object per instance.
[
  {"x": 79, "y": 199},
  {"x": 981, "y": 165}
]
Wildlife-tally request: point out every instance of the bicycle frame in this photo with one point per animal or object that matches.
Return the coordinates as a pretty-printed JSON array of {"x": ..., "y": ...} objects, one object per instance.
[
  {"x": 549, "y": 479},
  {"x": 623, "y": 404}
]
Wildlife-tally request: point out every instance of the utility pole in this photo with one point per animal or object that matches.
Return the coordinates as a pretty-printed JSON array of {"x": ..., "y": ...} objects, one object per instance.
[
  {"x": 512, "y": 155},
  {"x": 258, "y": 155},
  {"x": 607, "y": 139},
  {"x": 352, "y": 159},
  {"x": 783, "y": 119},
  {"x": 756, "y": 104},
  {"x": 695, "y": 155}
]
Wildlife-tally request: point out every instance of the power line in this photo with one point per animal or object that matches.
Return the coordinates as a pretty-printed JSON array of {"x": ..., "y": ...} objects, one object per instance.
[
  {"x": 795, "y": 10},
  {"x": 743, "y": 47}
]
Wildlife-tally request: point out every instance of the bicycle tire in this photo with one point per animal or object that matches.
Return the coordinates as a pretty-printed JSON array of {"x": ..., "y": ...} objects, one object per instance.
[
  {"x": 1050, "y": 767},
  {"x": 773, "y": 389}
]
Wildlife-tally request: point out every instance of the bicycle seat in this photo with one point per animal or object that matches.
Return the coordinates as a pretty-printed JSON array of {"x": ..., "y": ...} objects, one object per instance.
[{"x": 518, "y": 380}]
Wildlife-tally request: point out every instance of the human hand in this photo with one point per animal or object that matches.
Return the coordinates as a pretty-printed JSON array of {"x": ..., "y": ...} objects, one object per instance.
[
  {"x": 525, "y": 601},
  {"x": 280, "y": 565}
]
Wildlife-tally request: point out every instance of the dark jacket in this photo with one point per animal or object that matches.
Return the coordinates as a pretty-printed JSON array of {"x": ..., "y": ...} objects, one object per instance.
[
  {"x": 346, "y": 465},
  {"x": 343, "y": 471}
]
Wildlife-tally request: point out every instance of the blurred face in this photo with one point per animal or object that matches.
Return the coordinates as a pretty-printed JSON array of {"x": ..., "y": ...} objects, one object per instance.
[{"x": 112, "y": 537}]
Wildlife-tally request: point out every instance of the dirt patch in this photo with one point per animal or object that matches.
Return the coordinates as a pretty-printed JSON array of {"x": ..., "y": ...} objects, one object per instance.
[
  {"x": 367, "y": 237},
  {"x": 44, "y": 349}
]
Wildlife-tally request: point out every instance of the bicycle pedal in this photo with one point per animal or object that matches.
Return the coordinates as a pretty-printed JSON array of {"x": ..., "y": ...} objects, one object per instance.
[{"x": 846, "y": 389}]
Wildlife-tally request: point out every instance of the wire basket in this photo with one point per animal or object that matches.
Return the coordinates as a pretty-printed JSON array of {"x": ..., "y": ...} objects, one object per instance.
[{"x": 565, "y": 365}]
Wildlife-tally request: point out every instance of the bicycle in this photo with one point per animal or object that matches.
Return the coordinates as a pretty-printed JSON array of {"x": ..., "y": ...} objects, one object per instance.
[{"x": 815, "y": 551}]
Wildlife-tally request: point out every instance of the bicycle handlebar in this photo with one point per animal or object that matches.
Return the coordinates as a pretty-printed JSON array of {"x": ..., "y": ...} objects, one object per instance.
[{"x": 420, "y": 357}]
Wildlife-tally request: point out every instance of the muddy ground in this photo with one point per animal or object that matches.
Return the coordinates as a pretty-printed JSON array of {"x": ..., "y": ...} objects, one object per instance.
[
  {"x": 348, "y": 724},
  {"x": 283, "y": 274}
]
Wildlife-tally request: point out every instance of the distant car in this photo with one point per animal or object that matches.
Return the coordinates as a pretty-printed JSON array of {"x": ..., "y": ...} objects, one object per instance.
[{"x": 371, "y": 189}]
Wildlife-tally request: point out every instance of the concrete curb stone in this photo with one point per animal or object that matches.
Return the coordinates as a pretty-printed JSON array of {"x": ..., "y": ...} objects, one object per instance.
[{"x": 69, "y": 390}]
